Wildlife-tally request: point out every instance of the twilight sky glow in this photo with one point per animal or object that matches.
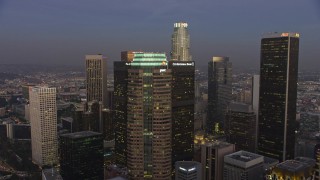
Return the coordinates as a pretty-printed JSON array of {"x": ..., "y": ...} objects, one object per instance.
[{"x": 63, "y": 31}]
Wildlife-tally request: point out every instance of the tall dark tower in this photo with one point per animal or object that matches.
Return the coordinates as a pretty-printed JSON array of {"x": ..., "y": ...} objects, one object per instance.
[
  {"x": 219, "y": 92},
  {"x": 120, "y": 100},
  {"x": 278, "y": 95},
  {"x": 183, "y": 73},
  {"x": 183, "y": 94}
]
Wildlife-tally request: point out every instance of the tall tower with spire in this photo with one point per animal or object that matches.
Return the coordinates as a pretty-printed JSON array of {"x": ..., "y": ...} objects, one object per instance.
[{"x": 180, "y": 42}]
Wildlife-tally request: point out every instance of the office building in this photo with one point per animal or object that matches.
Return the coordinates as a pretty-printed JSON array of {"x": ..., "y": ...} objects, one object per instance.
[
  {"x": 96, "y": 79},
  {"x": 119, "y": 105},
  {"x": 278, "y": 95},
  {"x": 219, "y": 92},
  {"x": 183, "y": 100},
  {"x": 255, "y": 89},
  {"x": 188, "y": 170},
  {"x": 86, "y": 117},
  {"x": 108, "y": 125},
  {"x": 149, "y": 117},
  {"x": 51, "y": 174},
  {"x": 244, "y": 96},
  {"x": 212, "y": 155},
  {"x": 27, "y": 112},
  {"x": 67, "y": 124},
  {"x": 255, "y": 93},
  {"x": 299, "y": 168},
  {"x": 243, "y": 165},
  {"x": 81, "y": 155},
  {"x": 43, "y": 117},
  {"x": 180, "y": 42},
  {"x": 240, "y": 126},
  {"x": 19, "y": 131}
]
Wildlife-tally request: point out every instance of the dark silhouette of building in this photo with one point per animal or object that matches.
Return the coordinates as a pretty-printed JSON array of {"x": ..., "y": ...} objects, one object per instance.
[
  {"x": 219, "y": 92},
  {"x": 119, "y": 105},
  {"x": 87, "y": 117},
  {"x": 212, "y": 154},
  {"x": 81, "y": 155},
  {"x": 278, "y": 95},
  {"x": 108, "y": 125},
  {"x": 241, "y": 126},
  {"x": 183, "y": 73}
]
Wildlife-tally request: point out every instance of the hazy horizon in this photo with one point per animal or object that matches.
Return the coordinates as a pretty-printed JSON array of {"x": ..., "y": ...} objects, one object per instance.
[{"x": 63, "y": 32}]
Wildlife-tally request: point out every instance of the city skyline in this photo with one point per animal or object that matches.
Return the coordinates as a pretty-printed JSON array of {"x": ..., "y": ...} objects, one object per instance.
[
  {"x": 168, "y": 89},
  {"x": 63, "y": 32}
]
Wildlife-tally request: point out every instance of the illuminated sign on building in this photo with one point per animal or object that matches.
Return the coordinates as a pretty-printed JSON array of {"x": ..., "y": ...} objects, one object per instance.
[
  {"x": 191, "y": 169},
  {"x": 181, "y": 24},
  {"x": 290, "y": 34},
  {"x": 183, "y": 64}
]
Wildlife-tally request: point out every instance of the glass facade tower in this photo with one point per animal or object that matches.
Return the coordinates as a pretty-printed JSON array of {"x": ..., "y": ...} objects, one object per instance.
[
  {"x": 278, "y": 95},
  {"x": 183, "y": 74},
  {"x": 219, "y": 92},
  {"x": 119, "y": 104},
  {"x": 180, "y": 42}
]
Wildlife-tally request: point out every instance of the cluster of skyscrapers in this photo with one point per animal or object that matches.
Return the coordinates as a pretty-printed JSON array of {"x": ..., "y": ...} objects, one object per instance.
[{"x": 152, "y": 116}]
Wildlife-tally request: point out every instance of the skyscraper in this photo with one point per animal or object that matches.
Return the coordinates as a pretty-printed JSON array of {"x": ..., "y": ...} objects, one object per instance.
[
  {"x": 43, "y": 117},
  {"x": 120, "y": 101},
  {"x": 219, "y": 92},
  {"x": 212, "y": 158},
  {"x": 180, "y": 42},
  {"x": 96, "y": 79},
  {"x": 81, "y": 155},
  {"x": 278, "y": 95},
  {"x": 183, "y": 74},
  {"x": 243, "y": 165},
  {"x": 149, "y": 117},
  {"x": 240, "y": 126}
]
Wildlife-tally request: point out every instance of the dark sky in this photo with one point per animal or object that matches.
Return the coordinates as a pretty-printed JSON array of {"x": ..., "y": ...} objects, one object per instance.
[{"x": 63, "y": 31}]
